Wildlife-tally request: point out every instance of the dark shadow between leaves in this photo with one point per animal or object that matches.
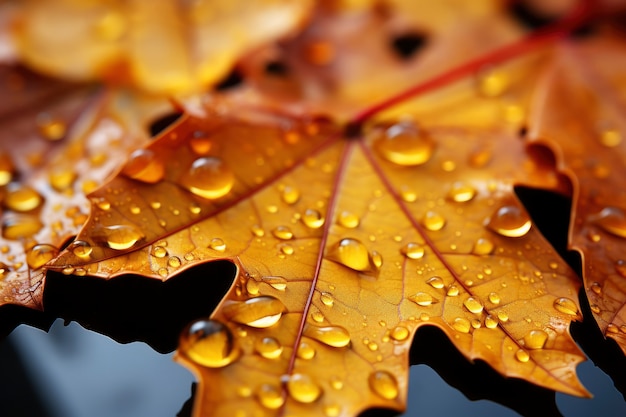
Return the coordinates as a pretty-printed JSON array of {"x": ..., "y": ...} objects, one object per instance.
[
  {"x": 134, "y": 308},
  {"x": 12, "y": 316}
]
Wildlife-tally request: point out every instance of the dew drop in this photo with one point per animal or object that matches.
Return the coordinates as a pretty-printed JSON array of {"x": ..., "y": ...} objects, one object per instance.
[
  {"x": 595, "y": 308},
  {"x": 611, "y": 328},
  {"x": 257, "y": 231},
  {"x": 509, "y": 221},
  {"x": 81, "y": 249},
  {"x": 535, "y": 339},
  {"x": 7, "y": 169},
  {"x": 405, "y": 144},
  {"x": 400, "y": 333},
  {"x": 408, "y": 194},
  {"x": 491, "y": 322},
  {"x": 422, "y": 299},
  {"x": 522, "y": 356},
  {"x": 327, "y": 299},
  {"x": 306, "y": 351},
  {"x": 461, "y": 192},
  {"x": 268, "y": 347},
  {"x": 348, "y": 219},
  {"x": 39, "y": 255},
  {"x": 50, "y": 128},
  {"x": 461, "y": 324},
  {"x": 208, "y": 177},
  {"x": 503, "y": 316},
  {"x": 453, "y": 291},
  {"x": 290, "y": 195},
  {"x": 217, "y": 244},
  {"x": 596, "y": 288},
  {"x": 252, "y": 286},
  {"x": 493, "y": 83},
  {"x": 435, "y": 282},
  {"x": 259, "y": 312},
  {"x": 278, "y": 283},
  {"x": 270, "y": 396},
  {"x": 332, "y": 410},
  {"x": 209, "y": 343},
  {"x": 121, "y": 237},
  {"x": 317, "y": 316},
  {"x": 384, "y": 384},
  {"x": 62, "y": 179},
  {"x": 286, "y": 249},
  {"x": 483, "y": 246},
  {"x": 611, "y": 138},
  {"x": 413, "y": 250},
  {"x": 473, "y": 305},
  {"x": 143, "y": 165},
  {"x": 433, "y": 221},
  {"x": 335, "y": 336},
  {"x": 159, "y": 252},
  {"x": 313, "y": 219},
  {"x": 353, "y": 254},
  {"x": 612, "y": 220},
  {"x": 620, "y": 267},
  {"x": 22, "y": 198},
  {"x": 174, "y": 262},
  {"x": 20, "y": 227},
  {"x": 283, "y": 233},
  {"x": 302, "y": 388},
  {"x": 200, "y": 144},
  {"x": 566, "y": 306},
  {"x": 494, "y": 298}
]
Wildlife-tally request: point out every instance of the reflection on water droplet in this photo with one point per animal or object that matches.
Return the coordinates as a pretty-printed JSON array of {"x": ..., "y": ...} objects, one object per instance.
[
  {"x": 435, "y": 282},
  {"x": 408, "y": 194},
  {"x": 283, "y": 233},
  {"x": 270, "y": 396},
  {"x": 503, "y": 316},
  {"x": 260, "y": 312},
  {"x": 268, "y": 347},
  {"x": 433, "y": 221},
  {"x": 413, "y": 250},
  {"x": 278, "y": 283},
  {"x": 302, "y": 388},
  {"x": 509, "y": 221},
  {"x": 209, "y": 343},
  {"x": 566, "y": 306},
  {"x": 121, "y": 237},
  {"x": 348, "y": 219},
  {"x": 39, "y": 255},
  {"x": 21, "y": 198},
  {"x": 217, "y": 244},
  {"x": 290, "y": 195},
  {"x": 612, "y": 220},
  {"x": 353, "y": 254},
  {"x": 522, "y": 356},
  {"x": 143, "y": 165},
  {"x": 313, "y": 219},
  {"x": 384, "y": 384},
  {"x": 208, "y": 177},
  {"x": 81, "y": 249},
  {"x": 400, "y": 333},
  {"x": 405, "y": 144},
  {"x": 473, "y": 305},
  {"x": 423, "y": 299},
  {"x": 483, "y": 246},
  {"x": 535, "y": 339},
  {"x": 306, "y": 351},
  {"x": 461, "y": 324},
  {"x": 334, "y": 336}
]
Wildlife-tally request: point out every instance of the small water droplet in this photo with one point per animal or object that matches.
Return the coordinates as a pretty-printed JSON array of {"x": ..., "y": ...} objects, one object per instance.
[
  {"x": 209, "y": 343},
  {"x": 174, "y": 262},
  {"x": 408, "y": 194},
  {"x": 258, "y": 231},
  {"x": 400, "y": 333},
  {"x": 461, "y": 324},
  {"x": 493, "y": 83},
  {"x": 566, "y": 306},
  {"x": 208, "y": 177},
  {"x": 461, "y": 192},
  {"x": 252, "y": 286},
  {"x": 327, "y": 299},
  {"x": 611, "y": 138},
  {"x": 159, "y": 252},
  {"x": 290, "y": 195},
  {"x": 491, "y": 322},
  {"x": 22, "y": 198},
  {"x": 50, "y": 128},
  {"x": 313, "y": 219},
  {"x": 81, "y": 249},
  {"x": 423, "y": 299},
  {"x": 353, "y": 254},
  {"x": 306, "y": 351},
  {"x": 39, "y": 255},
  {"x": 302, "y": 388},
  {"x": 413, "y": 250},
  {"x": 217, "y": 244},
  {"x": 596, "y": 288},
  {"x": 143, "y": 165},
  {"x": 62, "y": 179},
  {"x": 433, "y": 221},
  {"x": 317, "y": 316},
  {"x": 480, "y": 158},
  {"x": 483, "y": 246},
  {"x": 200, "y": 144},
  {"x": 121, "y": 237},
  {"x": 611, "y": 328},
  {"x": 7, "y": 168},
  {"x": 259, "y": 312},
  {"x": 535, "y": 339},
  {"x": 335, "y": 336},
  {"x": 494, "y": 298},
  {"x": 332, "y": 410},
  {"x": 405, "y": 144},
  {"x": 384, "y": 384},
  {"x": 435, "y": 282},
  {"x": 270, "y": 396},
  {"x": 473, "y": 305},
  {"x": 509, "y": 221},
  {"x": 453, "y": 291},
  {"x": 620, "y": 267},
  {"x": 595, "y": 308},
  {"x": 278, "y": 283},
  {"x": 348, "y": 219},
  {"x": 522, "y": 356},
  {"x": 503, "y": 316},
  {"x": 286, "y": 249},
  {"x": 283, "y": 233},
  {"x": 612, "y": 220},
  {"x": 268, "y": 347}
]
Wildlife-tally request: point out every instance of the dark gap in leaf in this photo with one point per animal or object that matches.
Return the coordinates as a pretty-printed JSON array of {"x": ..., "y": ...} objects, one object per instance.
[
  {"x": 433, "y": 348},
  {"x": 232, "y": 80},
  {"x": 522, "y": 132},
  {"x": 67, "y": 242},
  {"x": 187, "y": 408},
  {"x": 378, "y": 412},
  {"x": 528, "y": 16},
  {"x": 163, "y": 122},
  {"x": 131, "y": 307},
  {"x": 406, "y": 45},
  {"x": 276, "y": 68}
]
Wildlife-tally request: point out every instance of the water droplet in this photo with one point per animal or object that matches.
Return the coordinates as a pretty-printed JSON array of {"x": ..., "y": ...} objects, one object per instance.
[
  {"x": 143, "y": 165},
  {"x": 510, "y": 221},
  {"x": 461, "y": 192},
  {"x": 480, "y": 158},
  {"x": 503, "y": 316},
  {"x": 493, "y": 83},
  {"x": 453, "y": 291},
  {"x": 413, "y": 250},
  {"x": 286, "y": 249},
  {"x": 384, "y": 384},
  {"x": 270, "y": 396},
  {"x": 408, "y": 194},
  {"x": 252, "y": 286},
  {"x": 400, "y": 333},
  {"x": 353, "y": 254},
  {"x": 522, "y": 356},
  {"x": 121, "y": 237},
  {"x": 332, "y": 410},
  {"x": 491, "y": 322},
  {"x": 200, "y": 144},
  {"x": 313, "y": 219},
  {"x": 611, "y": 328},
  {"x": 39, "y": 255},
  {"x": 327, "y": 299},
  {"x": 612, "y": 220},
  {"x": 290, "y": 195},
  {"x": 21, "y": 198},
  {"x": 208, "y": 177},
  {"x": 260, "y": 312},
  {"x": 51, "y": 128},
  {"x": 306, "y": 351},
  {"x": 174, "y": 262},
  {"x": 278, "y": 283},
  {"x": 405, "y": 144},
  {"x": 268, "y": 347},
  {"x": 258, "y": 231},
  {"x": 423, "y": 299},
  {"x": 435, "y": 282},
  {"x": 377, "y": 259},
  {"x": 611, "y": 138},
  {"x": 334, "y": 336},
  {"x": 494, "y": 298},
  {"x": 620, "y": 267},
  {"x": 473, "y": 305},
  {"x": 217, "y": 244},
  {"x": 303, "y": 389},
  {"x": 7, "y": 169},
  {"x": 596, "y": 288},
  {"x": 317, "y": 316},
  {"x": 348, "y": 219},
  {"x": 283, "y": 233},
  {"x": 566, "y": 306},
  {"x": 209, "y": 343},
  {"x": 159, "y": 252},
  {"x": 535, "y": 339},
  {"x": 62, "y": 179},
  {"x": 433, "y": 221},
  {"x": 81, "y": 249},
  {"x": 483, "y": 246},
  {"x": 595, "y": 308}
]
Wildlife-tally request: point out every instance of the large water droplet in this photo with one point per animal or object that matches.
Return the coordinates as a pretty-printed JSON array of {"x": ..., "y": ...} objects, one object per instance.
[
  {"x": 384, "y": 384},
  {"x": 473, "y": 305},
  {"x": 209, "y": 343},
  {"x": 423, "y": 299},
  {"x": 509, "y": 221},
  {"x": 405, "y": 144},
  {"x": 461, "y": 324},
  {"x": 143, "y": 165},
  {"x": 400, "y": 333},
  {"x": 268, "y": 347},
  {"x": 21, "y": 198},
  {"x": 121, "y": 237},
  {"x": 260, "y": 312},
  {"x": 461, "y": 192},
  {"x": 20, "y": 227},
  {"x": 39, "y": 255},
  {"x": 535, "y": 339},
  {"x": 335, "y": 336},
  {"x": 348, "y": 219},
  {"x": 303, "y": 388},
  {"x": 491, "y": 322},
  {"x": 566, "y": 306},
  {"x": 413, "y": 250},
  {"x": 313, "y": 219},
  {"x": 270, "y": 396},
  {"x": 353, "y": 254},
  {"x": 208, "y": 177},
  {"x": 612, "y": 220},
  {"x": 433, "y": 221}
]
